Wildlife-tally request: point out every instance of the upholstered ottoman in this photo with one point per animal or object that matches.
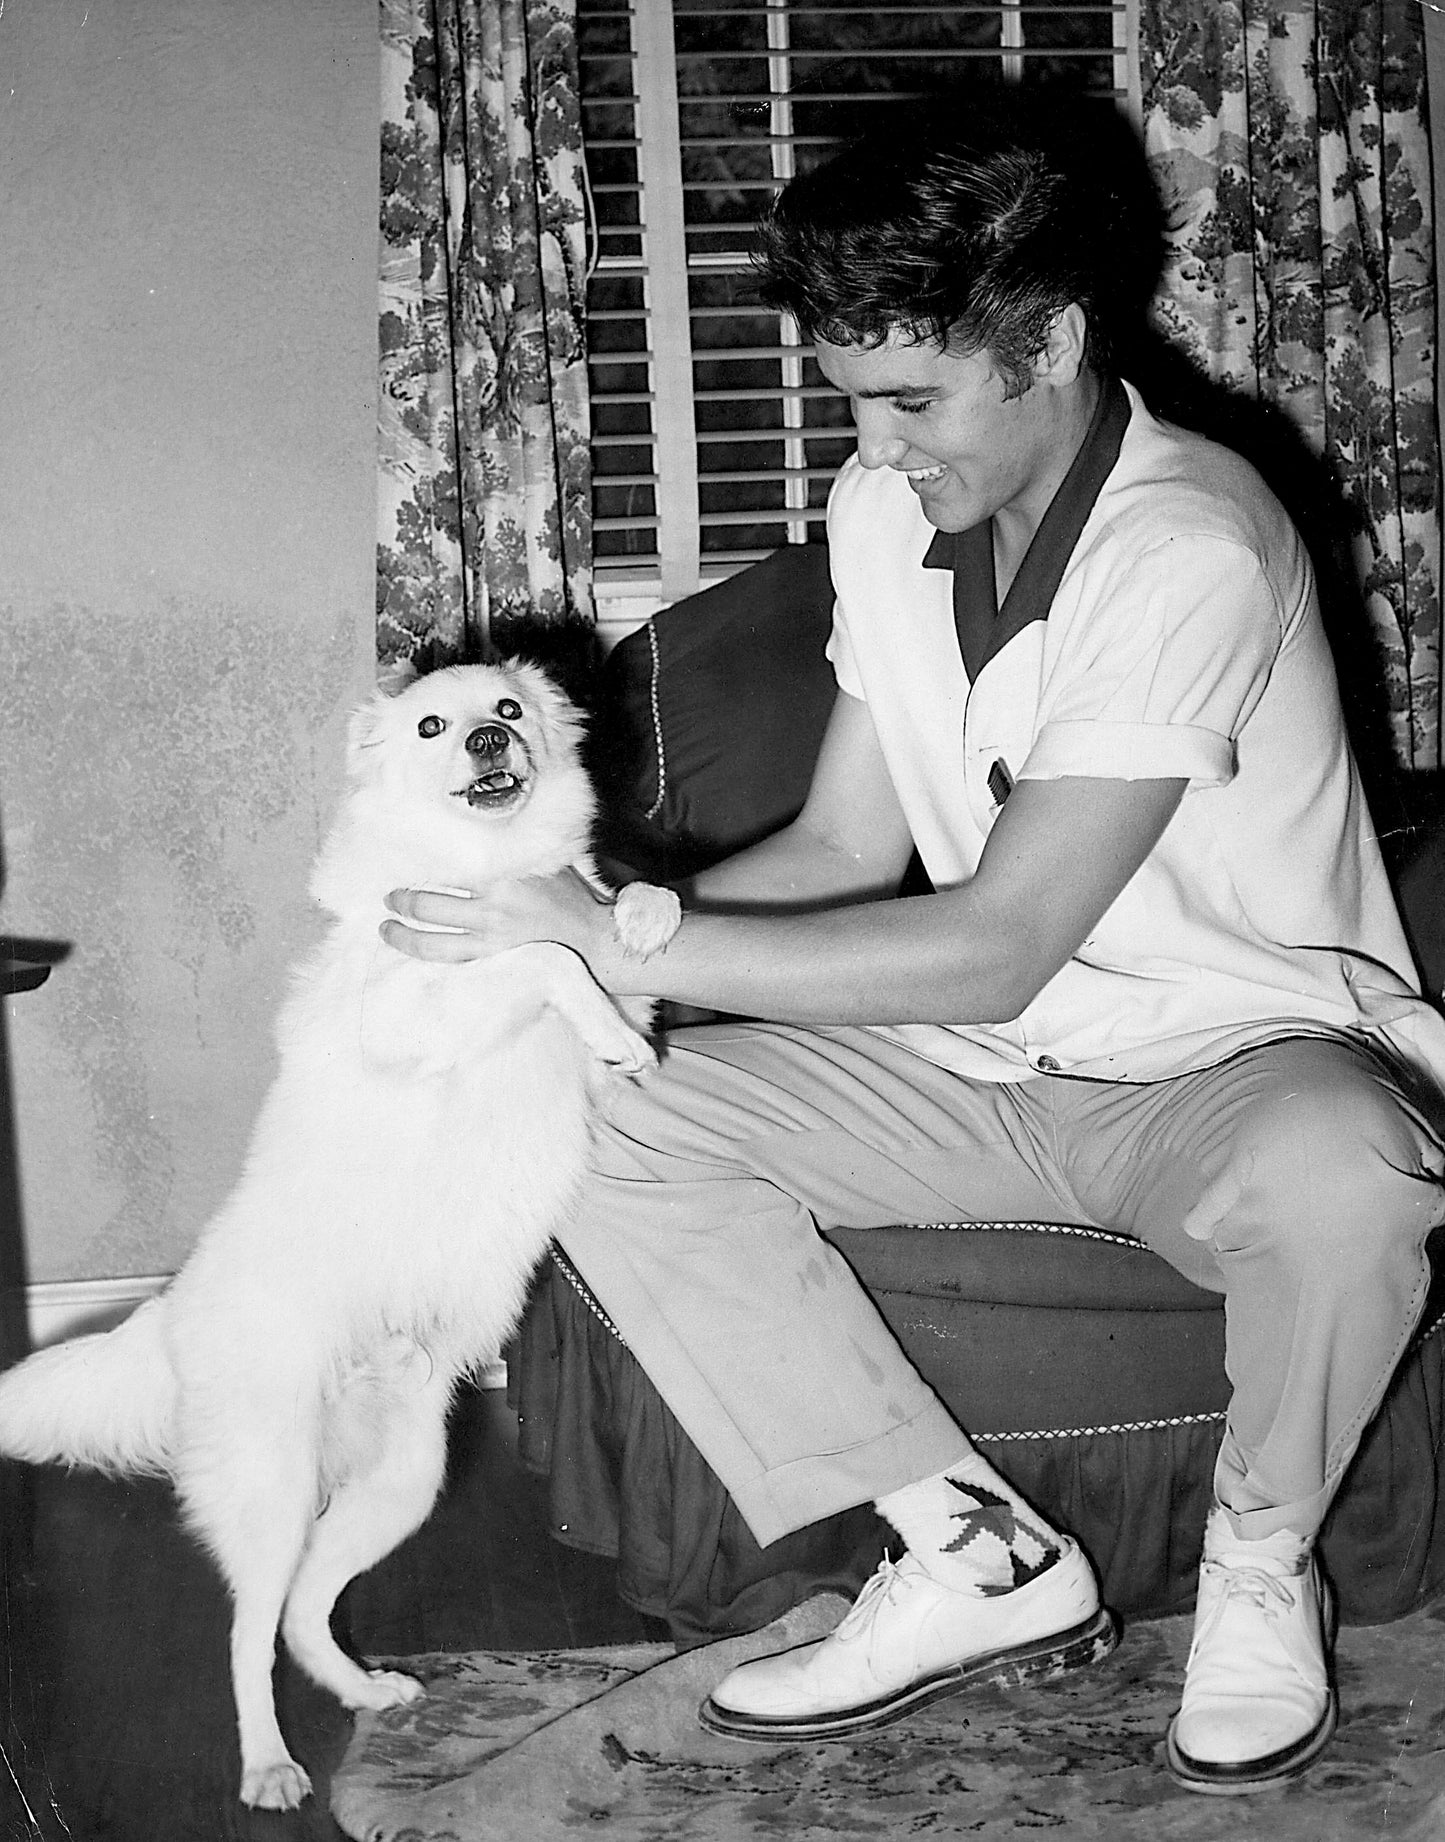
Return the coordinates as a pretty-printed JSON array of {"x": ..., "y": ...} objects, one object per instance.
[{"x": 1090, "y": 1371}]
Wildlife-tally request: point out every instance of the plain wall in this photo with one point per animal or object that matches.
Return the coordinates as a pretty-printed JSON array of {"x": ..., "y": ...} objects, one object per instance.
[{"x": 188, "y": 211}]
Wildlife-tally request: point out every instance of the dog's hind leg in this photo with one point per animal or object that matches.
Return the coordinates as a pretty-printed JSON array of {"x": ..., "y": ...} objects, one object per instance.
[
  {"x": 258, "y": 1553},
  {"x": 375, "y": 1508},
  {"x": 270, "y": 1778},
  {"x": 247, "y": 1476}
]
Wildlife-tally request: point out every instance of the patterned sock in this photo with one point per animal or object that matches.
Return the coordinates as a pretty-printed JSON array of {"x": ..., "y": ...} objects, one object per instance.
[{"x": 970, "y": 1530}]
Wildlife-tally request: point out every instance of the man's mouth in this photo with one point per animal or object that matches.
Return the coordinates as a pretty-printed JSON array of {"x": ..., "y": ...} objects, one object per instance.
[{"x": 923, "y": 476}]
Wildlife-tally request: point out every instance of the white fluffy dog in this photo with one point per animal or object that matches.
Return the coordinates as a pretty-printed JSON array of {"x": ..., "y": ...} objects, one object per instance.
[{"x": 425, "y": 1135}]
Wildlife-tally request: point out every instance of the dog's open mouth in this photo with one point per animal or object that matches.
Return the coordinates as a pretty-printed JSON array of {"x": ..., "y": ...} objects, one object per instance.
[
  {"x": 500, "y": 762},
  {"x": 497, "y": 787}
]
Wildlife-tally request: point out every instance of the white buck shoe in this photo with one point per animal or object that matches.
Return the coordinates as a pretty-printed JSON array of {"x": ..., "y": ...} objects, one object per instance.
[
  {"x": 1258, "y": 1703},
  {"x": 909, "y": 1640}
]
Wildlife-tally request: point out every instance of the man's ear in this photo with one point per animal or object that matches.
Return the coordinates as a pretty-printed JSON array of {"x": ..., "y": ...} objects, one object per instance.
[{"x": 1062, "y": 358}]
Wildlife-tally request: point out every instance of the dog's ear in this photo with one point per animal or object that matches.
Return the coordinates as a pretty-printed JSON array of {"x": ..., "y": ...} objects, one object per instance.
[
  {"x": 366, "y": 731},
  {"x": 364, "y": 737},
  {"x": 394, "y": 675}
]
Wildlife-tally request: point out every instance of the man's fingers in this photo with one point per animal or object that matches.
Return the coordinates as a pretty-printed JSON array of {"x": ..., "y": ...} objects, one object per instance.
[
  {"x": 433, "y": 907},
  {"x": 422, "y": 943}
]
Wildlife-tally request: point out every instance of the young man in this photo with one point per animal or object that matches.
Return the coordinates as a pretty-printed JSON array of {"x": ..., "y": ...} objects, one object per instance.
[{"x": 1161, "y": 986}]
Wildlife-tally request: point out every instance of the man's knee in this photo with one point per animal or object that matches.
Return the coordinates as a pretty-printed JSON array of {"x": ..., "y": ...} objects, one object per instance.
[{"x": 1333, "y": 1164}]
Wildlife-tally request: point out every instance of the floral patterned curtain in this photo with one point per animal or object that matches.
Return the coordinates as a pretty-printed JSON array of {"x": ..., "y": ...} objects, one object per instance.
[
  {"x": 485, "y": 494},
  {"x": 1289, "y": 141}
]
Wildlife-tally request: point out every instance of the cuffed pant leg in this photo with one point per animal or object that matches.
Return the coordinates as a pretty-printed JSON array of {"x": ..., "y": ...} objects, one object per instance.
[
  {"x": 1301, "y": 1181},
  {"x": 697, "y": 1232}
]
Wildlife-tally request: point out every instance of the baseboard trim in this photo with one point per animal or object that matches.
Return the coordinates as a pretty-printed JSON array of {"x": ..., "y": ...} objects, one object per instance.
[{"x": 60, "y": 1308}]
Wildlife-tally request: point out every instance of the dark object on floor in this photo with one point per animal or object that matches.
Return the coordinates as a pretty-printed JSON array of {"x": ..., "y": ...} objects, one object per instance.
[{"x": 1090, "y": 1370}]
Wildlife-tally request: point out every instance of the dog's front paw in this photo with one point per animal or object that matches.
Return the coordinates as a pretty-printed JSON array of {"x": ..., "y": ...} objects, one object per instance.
[
  {"x": 280, "y": 1784},
  {"x": 616, "y": 1043},
  {"x": 646, "y": 918},
  {"x": 640, "y": 1057}
]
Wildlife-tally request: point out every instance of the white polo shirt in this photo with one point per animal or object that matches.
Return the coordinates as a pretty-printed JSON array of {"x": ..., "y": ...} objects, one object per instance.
[{"x": 1184, "y": 640}]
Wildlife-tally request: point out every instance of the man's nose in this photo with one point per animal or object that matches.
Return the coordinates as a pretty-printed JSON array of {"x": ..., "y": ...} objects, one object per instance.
[{"x": 879, "y": 445}]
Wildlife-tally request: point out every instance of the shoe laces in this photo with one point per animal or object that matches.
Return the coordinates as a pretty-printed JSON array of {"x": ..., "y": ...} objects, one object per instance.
[
  {"x": 877, "y": 1592},
  {"x": 1258, "y": 1582},
  {"x": 1237, "y": 1582}
]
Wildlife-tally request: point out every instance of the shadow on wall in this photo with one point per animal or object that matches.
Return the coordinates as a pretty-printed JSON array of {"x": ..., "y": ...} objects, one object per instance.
[{"x": 1406, "y": 809}]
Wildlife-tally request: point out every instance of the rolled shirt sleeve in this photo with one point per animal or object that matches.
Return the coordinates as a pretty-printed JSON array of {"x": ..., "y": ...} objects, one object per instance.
[{"x": 1162, "y": 690}]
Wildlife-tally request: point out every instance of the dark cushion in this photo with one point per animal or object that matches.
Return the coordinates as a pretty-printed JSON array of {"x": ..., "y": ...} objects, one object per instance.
[
  {"x": 1414, "y": 841},
  {"x": 1029, "y": 1327},
  {"x": 709, "y": 717}
]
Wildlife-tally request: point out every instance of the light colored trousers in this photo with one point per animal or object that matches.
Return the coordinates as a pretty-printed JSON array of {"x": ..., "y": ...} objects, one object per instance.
[{"x": 1297, "y": 1179}]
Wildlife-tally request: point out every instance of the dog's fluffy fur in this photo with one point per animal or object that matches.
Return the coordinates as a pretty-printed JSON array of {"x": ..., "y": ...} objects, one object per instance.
[{"x": 426, "y": 1134}]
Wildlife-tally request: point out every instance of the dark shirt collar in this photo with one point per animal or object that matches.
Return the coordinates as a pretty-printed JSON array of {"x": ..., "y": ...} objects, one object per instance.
[{"x": 983, "y": 627}]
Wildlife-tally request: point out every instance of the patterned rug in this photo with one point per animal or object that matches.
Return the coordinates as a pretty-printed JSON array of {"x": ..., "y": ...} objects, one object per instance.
[{"x": 547, "y": 1746}]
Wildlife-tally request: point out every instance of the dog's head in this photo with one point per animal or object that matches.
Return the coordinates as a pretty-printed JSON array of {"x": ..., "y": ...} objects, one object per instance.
[
  {"x": 466, "y": 773},
  {"x": 480, "y": 735}
]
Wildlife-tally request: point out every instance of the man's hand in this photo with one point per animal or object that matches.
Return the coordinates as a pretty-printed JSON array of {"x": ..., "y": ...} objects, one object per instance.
[{"x": 562, "y": 908}]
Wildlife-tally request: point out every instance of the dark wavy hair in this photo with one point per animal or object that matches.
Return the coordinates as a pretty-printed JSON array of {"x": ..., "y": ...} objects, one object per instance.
[{"x": 974, "y": 224}]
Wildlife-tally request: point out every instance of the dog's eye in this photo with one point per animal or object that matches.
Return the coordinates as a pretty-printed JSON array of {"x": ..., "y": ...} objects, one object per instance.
[
  {"x": 510, "y": 709},
  {"x": 430, "y": 726}
]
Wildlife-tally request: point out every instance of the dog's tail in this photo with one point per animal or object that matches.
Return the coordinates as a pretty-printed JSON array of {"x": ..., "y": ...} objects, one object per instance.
[{"x": 106, "y": 1401}]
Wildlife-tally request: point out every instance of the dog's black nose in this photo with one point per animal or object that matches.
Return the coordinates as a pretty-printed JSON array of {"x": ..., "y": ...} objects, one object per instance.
[{"x": 488, "y": 739}]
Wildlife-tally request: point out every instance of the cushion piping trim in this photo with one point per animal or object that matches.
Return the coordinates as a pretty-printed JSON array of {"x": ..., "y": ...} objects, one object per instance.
[
  {"x": 654, "y": 693},
  {"x": 1090, "y": 1432},
  {"x": 1069, "y": 1228}
]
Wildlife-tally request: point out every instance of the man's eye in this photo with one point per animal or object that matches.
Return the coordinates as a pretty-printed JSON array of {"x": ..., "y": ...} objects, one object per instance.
[
  {"x": 914, "y": 406},
  {"x": 509, "y": 709},
  {"x": 430, "y": 726}
]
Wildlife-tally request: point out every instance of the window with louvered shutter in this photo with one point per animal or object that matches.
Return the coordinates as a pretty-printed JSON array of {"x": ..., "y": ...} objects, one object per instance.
[{"x": 714, "y": 437}]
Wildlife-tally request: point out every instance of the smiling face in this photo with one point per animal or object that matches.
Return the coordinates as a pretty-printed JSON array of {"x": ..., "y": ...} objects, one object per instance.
[{"x": 943, "y": 420}]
